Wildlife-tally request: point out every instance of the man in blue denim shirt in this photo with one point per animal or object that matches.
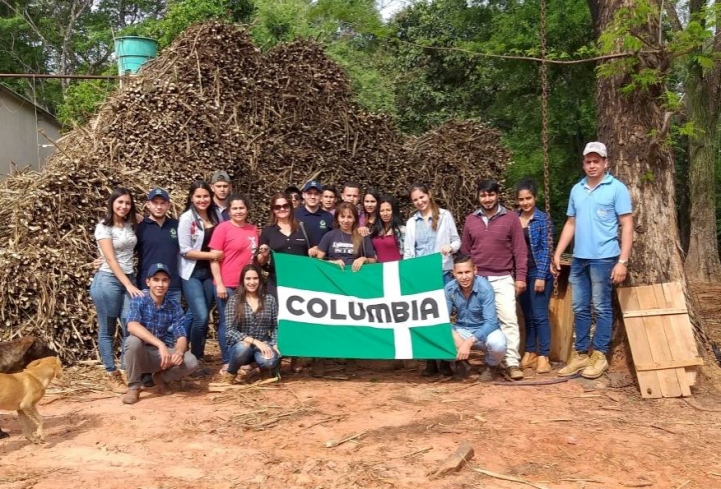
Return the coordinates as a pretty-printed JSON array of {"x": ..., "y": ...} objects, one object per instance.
[
  {"x": 598, "y": 204},
  {"x": 477, "y": 327}
]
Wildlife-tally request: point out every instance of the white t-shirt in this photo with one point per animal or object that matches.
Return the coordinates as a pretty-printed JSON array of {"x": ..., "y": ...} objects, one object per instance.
[{"x": 124, "y": 241}]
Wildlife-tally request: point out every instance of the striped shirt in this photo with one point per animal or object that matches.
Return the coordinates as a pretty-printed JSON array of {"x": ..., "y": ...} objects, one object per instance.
[
  {"x": 157, "y": 320},
  {"x": 261, "y": 325}
]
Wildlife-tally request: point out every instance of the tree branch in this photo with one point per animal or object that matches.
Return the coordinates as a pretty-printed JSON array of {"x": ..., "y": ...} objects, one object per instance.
[{"x": 605, "y": 57}]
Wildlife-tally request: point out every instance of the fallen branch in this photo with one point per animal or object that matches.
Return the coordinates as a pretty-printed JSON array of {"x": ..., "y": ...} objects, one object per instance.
[
  {"x": 335, "y": 443},
  {"x": 504, "y": 477},
  {"x": 552, "y": 420},
  {"x": 332, "y": 418}
]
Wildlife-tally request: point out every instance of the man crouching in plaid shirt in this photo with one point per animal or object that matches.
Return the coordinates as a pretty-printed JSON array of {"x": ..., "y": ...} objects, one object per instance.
[{"x": 150, "y": 318}]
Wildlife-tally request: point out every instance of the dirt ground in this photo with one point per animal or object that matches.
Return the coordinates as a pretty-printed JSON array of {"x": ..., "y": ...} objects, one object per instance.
[{"x": 576, "y": 434}]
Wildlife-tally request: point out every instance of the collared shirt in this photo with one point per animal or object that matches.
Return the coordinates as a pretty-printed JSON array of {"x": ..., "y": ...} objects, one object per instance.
[
  {"x": 157, "y": 320},
  {"x": 293, "y": 244},
  {"x": 497, "y": 247},
  {"x": 158, "y": 244},
  {"x": 478, "y": 312},
  {"x": 261, "y": 325},
  {"x": 317, "y": 223},
  {"x": 596, "y": 211},
  {"x": 425, "y": 236}
]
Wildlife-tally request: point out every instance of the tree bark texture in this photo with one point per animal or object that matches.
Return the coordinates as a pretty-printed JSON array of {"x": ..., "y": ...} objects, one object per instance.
[
  {"x": 627, "y": 124},
  {"x": 633, "y": 125},
  {"x": 702, "y": 261},
  {"x": 703, "y": 106}
]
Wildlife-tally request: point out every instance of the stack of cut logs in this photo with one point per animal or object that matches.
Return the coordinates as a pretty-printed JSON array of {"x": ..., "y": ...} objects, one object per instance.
[{"x": 211, "y": 101}]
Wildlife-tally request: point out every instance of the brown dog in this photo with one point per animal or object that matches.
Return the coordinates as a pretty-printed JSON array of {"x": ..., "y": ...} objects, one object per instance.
[{"x": 22, "y": 391}]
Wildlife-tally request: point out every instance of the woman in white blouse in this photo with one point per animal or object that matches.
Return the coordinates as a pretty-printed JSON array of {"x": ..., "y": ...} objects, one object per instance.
[{"x": 114, "y": 282}]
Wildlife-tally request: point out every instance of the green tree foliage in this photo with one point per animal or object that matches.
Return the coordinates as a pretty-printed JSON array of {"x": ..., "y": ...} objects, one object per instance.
[{"x": 454, "y": 81}]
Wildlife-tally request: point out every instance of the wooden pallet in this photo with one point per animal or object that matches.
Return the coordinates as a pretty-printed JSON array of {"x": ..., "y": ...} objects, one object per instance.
[{"x": 660, "y": 333}]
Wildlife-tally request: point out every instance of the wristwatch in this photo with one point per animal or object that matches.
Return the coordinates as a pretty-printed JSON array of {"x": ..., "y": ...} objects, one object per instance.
[{"x": 623, "y": 262}]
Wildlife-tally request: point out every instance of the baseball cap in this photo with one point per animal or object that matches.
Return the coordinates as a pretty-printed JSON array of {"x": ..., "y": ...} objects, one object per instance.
[
  {"x": 313, "y": 184},
  {"x": 159, "y": 192},
  {"x": 157, "y": 267},
  {"x": 595, "y": 147},
  {"x": 220, "y": 176}
]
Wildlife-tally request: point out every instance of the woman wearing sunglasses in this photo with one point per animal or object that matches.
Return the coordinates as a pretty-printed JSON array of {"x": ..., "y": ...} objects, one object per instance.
[{"x": 283, "y": 234}]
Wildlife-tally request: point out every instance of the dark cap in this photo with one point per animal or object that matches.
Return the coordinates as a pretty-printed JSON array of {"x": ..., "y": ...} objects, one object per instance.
[
  {"x": 220, "y": 176},
  {"x": 313, "y": 184},
  {"x": 292, "y": 190},
  {"x": 157, "y": 267},
  {"x": 159, "y": 192}
]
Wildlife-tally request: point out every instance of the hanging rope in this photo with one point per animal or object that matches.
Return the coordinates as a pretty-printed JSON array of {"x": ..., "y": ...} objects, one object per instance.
[{"x": 544, "y": 131}]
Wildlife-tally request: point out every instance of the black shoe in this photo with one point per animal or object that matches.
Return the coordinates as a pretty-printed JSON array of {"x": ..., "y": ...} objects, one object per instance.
[
  {"x": 445, "y": 368},
  {"x": 147, "y": 381},
  {"x": 461, "y": 370},
  {"x": 318, "y": 368},
  {"x": 431, "y": 369}
]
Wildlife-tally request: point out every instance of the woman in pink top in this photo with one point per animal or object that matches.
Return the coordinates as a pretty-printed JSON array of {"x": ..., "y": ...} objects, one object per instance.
[
  {"x": 388, "y": 231},
  {"x": 238, "y": 240}
]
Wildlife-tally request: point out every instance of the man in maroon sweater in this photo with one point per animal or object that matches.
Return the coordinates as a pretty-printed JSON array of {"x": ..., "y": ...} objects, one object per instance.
[{"x": 493, "y": 237}]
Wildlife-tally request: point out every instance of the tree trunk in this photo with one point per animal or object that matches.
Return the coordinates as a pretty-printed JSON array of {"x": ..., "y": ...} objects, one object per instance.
[
  {"x": 702, "y": 103},
  {"x": 626, "y": 123},
  {"x": 702, "y": 262},
  {"x": 632, "y": 125}
]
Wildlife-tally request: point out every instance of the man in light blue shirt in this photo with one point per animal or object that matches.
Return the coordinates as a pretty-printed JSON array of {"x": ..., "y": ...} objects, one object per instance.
[
  {"x": 598, "y": 205},
  {"x": 472, "y": 299}
]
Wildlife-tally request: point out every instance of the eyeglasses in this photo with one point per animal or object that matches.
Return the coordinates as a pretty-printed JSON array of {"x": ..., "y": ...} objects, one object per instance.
[{"x": 281, "y": 207}]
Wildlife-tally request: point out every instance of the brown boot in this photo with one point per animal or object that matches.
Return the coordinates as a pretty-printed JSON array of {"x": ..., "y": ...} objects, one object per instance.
[
  {"x": 114, "y": 382},
  {"x": 131, "y": 396},
  {"x": 431, "y": 369},
  {"x": 163, "y": 387},
  {"x": 543, "y": 366},
  {"x": 529, "y": 360},
  {"x": 228, "y": 378}
]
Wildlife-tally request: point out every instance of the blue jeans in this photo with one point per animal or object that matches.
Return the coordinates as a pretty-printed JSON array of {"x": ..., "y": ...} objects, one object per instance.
[
  {"x": 111, "y": 303},
  {"x": 221, "y": 323},
  {"x": 241, "y": 354},
  {"x": 494, "y": 346},
  {"x": 591, "y": 282},
  {"x": 535, "y": 315},
  {"x": 198, "y": 292}
]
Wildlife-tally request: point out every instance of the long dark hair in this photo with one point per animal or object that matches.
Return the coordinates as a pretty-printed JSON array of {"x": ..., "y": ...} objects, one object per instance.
[
  {"x": 379, "y": 227},
  {"x": 274, "y": 219},
  {"x": 527, "y": 184},
  {"x": 357, "y": 238},
  {"x": 110, "y": 214},
  {"x": 239, "y": 316},
  {"x": 435, "y": 210},
  {"x": 376, "y": 195},
  {"x": 212, "y": 209}
]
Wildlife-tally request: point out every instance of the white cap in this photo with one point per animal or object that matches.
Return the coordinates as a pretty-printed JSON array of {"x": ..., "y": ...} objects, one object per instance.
[{"x": 595, "y": 147}]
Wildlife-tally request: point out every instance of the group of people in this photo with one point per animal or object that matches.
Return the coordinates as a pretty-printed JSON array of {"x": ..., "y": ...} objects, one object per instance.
[{"x": 213, "y": 254}]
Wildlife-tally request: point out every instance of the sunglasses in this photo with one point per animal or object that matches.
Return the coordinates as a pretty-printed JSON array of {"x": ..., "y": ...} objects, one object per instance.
[{"x": 281, "y": 207}]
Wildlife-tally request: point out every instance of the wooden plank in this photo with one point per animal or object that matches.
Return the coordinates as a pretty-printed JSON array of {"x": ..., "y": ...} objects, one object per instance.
[
  {"x": 655, "y": 312},
  {"x": 643, "y": 367},
  {"x": 648, "y": 382},
  {"x": 683, "y": 328},
  {"x": 673, "y": 339},
  {"x": 672, "y": 381},
  {"x": 561, "y": 316}
]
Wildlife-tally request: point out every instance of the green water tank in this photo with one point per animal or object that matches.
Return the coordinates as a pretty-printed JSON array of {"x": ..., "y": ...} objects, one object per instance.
[{"x": 133, "y": 52}]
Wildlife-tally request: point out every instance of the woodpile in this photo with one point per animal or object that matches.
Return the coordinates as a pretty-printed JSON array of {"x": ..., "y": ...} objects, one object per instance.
[{"x": 211, "y": 101}]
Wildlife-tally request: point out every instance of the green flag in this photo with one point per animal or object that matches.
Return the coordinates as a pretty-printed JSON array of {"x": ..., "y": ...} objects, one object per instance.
[{"x": 384, "y": 311}]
